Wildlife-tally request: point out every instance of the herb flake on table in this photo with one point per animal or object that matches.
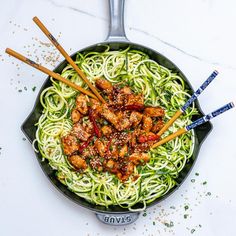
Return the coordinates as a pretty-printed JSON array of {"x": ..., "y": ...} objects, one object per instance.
[
  {"x": 186, "y": 207},
  {"x": 185, "y": 216},
  {"x": 34, "y": 88},
  {"x": 169, "y": 225}
]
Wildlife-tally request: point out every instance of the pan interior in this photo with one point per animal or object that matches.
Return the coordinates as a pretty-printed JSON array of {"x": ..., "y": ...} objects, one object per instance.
[{"x": 29, "y": 128}]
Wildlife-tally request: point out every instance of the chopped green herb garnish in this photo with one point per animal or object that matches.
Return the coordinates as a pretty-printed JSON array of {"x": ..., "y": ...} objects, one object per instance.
[
  {"x": 192, "y": 180},
  {"x": 105, "y": 122},
  {"x": 171, "y": 224},
  {"x": 192, "y": 231},
  {"x": 186, "y": 207},
  {"x": 154, "y": 223},
  {"x": 126, "y": 131},
  {"x": 208, "y": 194},
  {"x": 144, "y": 214},
  {"x": 185, "y": 216},
  {"x": 204, "y": 183},
  {"x": 197, "y": 174},
  {"x": 20, "y": 90},
  {"x": 34, "y": 88}
]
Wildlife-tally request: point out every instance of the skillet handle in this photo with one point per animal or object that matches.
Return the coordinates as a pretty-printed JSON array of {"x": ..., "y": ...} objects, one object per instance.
[
  {"x": 118, "y": 219},
  {"x": 116, "y": 28}
]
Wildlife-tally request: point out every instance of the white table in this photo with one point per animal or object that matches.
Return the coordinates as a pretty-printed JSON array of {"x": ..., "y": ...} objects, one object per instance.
[{"x": 198, "y": 36}]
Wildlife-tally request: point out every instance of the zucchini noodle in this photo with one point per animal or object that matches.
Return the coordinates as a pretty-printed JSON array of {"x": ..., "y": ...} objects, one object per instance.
[{"x": 160, "y": 87}]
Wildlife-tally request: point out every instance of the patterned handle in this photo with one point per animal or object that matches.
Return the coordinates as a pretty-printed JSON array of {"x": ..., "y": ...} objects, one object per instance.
[
  {"x": 118, "y": 219},
  {"x": 199, "y": 91},
  {"x": 209, "y": 116}
]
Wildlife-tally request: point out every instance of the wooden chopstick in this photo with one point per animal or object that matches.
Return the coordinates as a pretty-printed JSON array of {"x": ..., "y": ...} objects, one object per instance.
[
  {"x": 188, "y": 103},
  {"x": 67, "y": 57},
  {"x": 48, "y": 72},
  {"x": 195, "y": 124},
  {"x": 170, "y": 137},
  {"x": 170, "y": 122}
]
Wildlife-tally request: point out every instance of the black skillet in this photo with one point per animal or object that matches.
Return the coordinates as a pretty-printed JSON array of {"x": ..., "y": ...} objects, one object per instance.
[{"x": 117, "y": 40}]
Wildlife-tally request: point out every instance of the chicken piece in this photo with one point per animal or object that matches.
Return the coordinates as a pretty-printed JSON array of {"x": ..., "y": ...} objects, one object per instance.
[
  {"x": 139, "y": 158},
  {"x": 120, "y": 96},
  {"x": 100, "y": 168},
  {"x": 81, "y": 104},
  {"x": 126, "y": 171},
  {"x": 157, "y": 126},
  {"x": 104, "y": 85},
  {"x": 123, "y": 151},
  {"x": 109, "y": 115},
  {"x": 89, "y": 151},
  {"x": 96, "y": 163},
  {"x": 100, "y": 147},
  {"x": 147, "y": 123},
  {"x": 133, "y": 139},
  {"x": 142, "y": 147},
  {"x": 88, "y": 127},
  {"x": 75, "y": 116},
  {"x": 77, "y": 162},
  {"x": 121, "y": 138},
  {"x": 124, "y": 122},
  {"x": 134, "y": 135},
  {"x": 133, "y": 99},
  {"x": 126, "y": 90},
  {"x": 79, "y": 131},
  {"x": 106, "y": 130},
  {"x": 154, "y": 112},
  {"x": 118, "y": 99},
  {"x": 114, "y": 152},
  {"x": 135, "y": 118},
  {"x": 110, "y": 164},
  {"x": 70, "y": 144},
  {"x": 96, "y": 105}
]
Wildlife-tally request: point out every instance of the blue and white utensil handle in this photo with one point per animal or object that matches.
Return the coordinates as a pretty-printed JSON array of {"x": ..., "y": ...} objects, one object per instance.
[
  {"x": 195, "y": 124},
  {"x": 188, "y": 103},
  {"x": 199, "y": 90},
  {"x": 209, "y": 116}
]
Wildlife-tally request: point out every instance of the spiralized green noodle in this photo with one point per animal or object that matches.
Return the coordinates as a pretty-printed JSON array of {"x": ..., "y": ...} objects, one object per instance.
[{"x": 160, "y": 86}]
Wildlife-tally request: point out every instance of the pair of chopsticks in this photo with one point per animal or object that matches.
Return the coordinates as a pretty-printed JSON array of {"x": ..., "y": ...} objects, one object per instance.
[
  {"x": 184, "y": 108},
  {"x": 95, "y": 93}
]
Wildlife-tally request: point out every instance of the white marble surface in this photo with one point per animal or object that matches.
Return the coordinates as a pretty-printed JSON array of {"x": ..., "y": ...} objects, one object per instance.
[{"x": 199, "y": 36}]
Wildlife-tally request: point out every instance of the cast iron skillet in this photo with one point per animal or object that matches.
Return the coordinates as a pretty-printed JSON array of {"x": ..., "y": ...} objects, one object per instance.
[{"x": 116, "y": 40}]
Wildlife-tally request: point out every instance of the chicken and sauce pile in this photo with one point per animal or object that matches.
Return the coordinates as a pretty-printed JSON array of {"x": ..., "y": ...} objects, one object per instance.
[{"x": 115, "y": 136}]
